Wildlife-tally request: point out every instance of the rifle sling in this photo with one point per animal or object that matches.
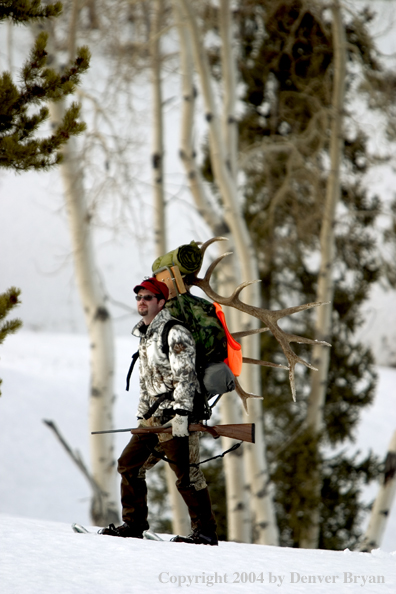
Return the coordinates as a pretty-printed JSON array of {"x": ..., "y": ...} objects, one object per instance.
[
  {"x": 231, "y": 449},
  {"x": 157, "y": 454}
]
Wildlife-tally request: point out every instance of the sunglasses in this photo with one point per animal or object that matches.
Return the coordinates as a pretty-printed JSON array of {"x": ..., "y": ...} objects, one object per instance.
[{"x": 145, "y": 297}]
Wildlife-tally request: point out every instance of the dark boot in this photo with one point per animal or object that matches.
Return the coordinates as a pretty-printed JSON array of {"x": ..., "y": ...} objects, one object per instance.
[
  {"x": 203, "y": 522},
  {"x": 196, "y": 537},
  {"x": 125, "y": 531}
]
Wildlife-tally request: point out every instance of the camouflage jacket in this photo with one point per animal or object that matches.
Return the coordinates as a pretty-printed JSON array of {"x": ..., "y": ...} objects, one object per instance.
[{"x": 158, "y": 373}]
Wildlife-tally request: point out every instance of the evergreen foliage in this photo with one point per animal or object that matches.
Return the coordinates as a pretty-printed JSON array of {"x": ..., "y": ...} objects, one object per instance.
[
  {"x": 24, "y": 11},
  {"x": 285, "y": 60},
  {"x": 20, "y": 148},
  {"x": 8, "y": 301},
  {"x": 288, "y": 105}
]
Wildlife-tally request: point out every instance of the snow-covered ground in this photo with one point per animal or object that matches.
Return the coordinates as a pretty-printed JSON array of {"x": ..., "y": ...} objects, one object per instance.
[
  {"x": 45, "y": 376},
  {"x": 47, "y": 557}
]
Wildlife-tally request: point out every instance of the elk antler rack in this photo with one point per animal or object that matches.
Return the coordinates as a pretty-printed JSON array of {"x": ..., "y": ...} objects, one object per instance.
[{"x": 268, "y": 317}]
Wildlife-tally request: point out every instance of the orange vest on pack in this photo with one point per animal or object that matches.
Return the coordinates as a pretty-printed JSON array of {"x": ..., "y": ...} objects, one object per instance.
[{"x": 234, "y": 349}]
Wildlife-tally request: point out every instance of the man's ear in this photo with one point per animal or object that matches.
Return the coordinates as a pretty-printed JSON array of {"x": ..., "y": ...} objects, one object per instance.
[{"x": 163, "y": 303}]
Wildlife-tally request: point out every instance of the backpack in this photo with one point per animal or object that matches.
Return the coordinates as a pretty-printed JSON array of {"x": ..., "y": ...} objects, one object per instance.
[
  {"x": 219, "y": 355},
  {"x": 206, "y": 322}
]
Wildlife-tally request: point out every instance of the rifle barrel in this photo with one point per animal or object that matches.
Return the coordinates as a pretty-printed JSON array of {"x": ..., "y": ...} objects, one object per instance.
[{"x": 241, "y": 431}]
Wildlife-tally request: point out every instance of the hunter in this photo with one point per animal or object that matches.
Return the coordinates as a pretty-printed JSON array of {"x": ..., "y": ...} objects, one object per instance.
[{"x": 168, "y": 387}]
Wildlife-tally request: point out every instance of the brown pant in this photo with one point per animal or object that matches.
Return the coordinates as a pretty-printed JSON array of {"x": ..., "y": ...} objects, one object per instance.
[{"x": 134, "y": 488}]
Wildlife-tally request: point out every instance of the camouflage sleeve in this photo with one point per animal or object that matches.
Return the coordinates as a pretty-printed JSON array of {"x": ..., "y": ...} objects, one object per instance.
[
  {"x": 182, "y": 362},
  {"x": 143, "y": 405}
]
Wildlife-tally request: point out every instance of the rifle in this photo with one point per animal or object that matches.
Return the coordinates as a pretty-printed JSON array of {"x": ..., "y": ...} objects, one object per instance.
[{"x": 241, "y": 431}]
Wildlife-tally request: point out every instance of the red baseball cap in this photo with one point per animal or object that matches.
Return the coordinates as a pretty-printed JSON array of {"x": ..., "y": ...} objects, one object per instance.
[{"x": 155, "y": 286}]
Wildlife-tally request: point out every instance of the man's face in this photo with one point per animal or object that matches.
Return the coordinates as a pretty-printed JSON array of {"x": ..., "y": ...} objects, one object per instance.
[{"x": 148, "y": 308}]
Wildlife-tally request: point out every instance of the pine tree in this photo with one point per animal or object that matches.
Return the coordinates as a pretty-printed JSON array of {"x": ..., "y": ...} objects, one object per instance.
[
  {"x": 20, "y": 149},
  {"x": 24, "y": 11},
  {"x": 8, "y": 301},
  {"x": 288, "y": 76},
  {"x": 286, "y": 66},
  {"x": 22, "y": 109}
]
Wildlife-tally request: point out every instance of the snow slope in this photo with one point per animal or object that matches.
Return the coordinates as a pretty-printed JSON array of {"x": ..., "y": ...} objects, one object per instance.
[
  {"x": 46, "y": 376},
  {"x": 46, "y": 557}
]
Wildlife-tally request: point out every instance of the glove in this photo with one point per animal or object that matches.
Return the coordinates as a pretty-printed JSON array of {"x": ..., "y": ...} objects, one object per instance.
[
  {"x": 141, "y": 422},
  {"x": 180, "y": 426}
]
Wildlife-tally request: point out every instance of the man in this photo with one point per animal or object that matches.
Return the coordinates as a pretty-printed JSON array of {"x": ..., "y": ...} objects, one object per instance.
[{"x": 168, "y": 384}]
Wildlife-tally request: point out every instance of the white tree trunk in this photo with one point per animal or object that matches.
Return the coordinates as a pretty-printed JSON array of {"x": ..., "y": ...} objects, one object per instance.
[
  {"x": 180, "y": 517},
  {"x": 237, "y": 523},
  {"x": 383, "y": 503},
  {"x": 320, "y": 356},
  {"x": 239, "y": 527},
  {"x": 225, "y": 170},
  {"x": 239, "y": 517},
  {"x": 232, "y": 209},
  {"x": 104, "y": 509},
  {"x": 264, "y": 527},
  {"x": 158, "y": 133},
  {"x": 229, "y": 121},
  {"x": 187, "y": 148},
  {"x": 100, "y": 332}
]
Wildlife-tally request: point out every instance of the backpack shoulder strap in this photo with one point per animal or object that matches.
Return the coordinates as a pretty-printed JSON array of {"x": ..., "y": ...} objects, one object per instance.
[
  {"x": 165, "y": 347},
  {"x": 132, "y": 365},
  {"x": 165, "y": 334}
]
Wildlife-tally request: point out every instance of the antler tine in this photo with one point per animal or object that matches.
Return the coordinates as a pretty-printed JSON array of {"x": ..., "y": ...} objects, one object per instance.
[
  {"x": 211, "y": 268},
  {"x": 263, "y": 363},
  {"x": 303, "y": 340},
  {"x": 293, "y": 359},
  {"x": 292, "y": 366},
  {"x": 244, "y": 396},
  {"x": 206, "y": 244},
  {"x": 288, "y": 311},
  {"x": 292, "y": 382},
  {"x": 241, "y": 287},
  {"x": 243, "y": 333}
]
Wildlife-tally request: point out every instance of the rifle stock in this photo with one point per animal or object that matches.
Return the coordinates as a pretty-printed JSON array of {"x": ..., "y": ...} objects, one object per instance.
[{"x": 241, "y": 431}]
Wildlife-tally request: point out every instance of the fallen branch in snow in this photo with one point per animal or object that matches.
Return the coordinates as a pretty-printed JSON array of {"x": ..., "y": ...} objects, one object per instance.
[{"x": 97, "y": 504}]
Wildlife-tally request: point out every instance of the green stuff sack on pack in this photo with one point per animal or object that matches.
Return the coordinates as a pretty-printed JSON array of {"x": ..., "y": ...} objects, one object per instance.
[{"x": 187, "y": 257}]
